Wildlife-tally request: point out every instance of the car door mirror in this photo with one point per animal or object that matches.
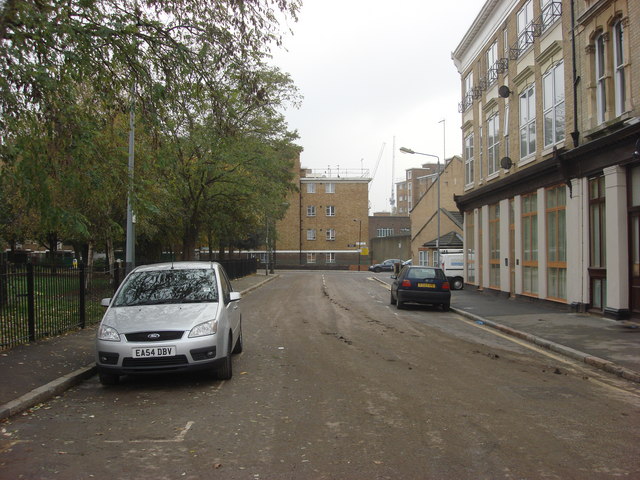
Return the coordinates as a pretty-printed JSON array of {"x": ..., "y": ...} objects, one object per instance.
[
  {"x": 234, "y": 296},
  {"x": 105, "y": 302}
]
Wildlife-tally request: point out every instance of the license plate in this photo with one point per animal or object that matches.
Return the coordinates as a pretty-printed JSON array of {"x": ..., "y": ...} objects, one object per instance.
[
  {"x": 147, "y": 352},
  {"x": 426, "y": 285}
]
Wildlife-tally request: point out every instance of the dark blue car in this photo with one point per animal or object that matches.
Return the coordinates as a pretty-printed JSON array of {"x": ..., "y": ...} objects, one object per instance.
[{"x": 421, "y": 284}]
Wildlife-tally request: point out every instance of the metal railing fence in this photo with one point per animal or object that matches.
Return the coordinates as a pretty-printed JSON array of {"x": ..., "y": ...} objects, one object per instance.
[{"x": 39, "y": 301}]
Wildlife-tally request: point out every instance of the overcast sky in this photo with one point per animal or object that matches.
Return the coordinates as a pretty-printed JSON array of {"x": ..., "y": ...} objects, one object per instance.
[{"x": 370, "y": 70}]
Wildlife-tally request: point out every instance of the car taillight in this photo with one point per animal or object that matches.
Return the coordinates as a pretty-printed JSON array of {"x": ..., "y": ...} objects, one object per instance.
[
  {"x": 406, "y": 283},
  {"x": 445, "y": 286}
]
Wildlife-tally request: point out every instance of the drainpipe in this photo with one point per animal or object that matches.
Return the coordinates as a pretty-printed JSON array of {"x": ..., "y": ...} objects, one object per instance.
[{"x": 575, "y": 135}]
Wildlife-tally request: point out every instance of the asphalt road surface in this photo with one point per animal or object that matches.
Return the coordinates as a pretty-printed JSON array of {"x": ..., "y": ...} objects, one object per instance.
[{"x": 334, "y": 383}]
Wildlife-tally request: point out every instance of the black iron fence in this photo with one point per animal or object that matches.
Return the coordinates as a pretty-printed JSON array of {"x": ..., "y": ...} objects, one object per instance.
[{"x": 39, "y": 301}]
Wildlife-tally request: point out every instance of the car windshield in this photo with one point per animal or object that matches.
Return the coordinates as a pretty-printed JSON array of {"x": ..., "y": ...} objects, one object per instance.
[
  {"x": 168, "y": 286},
  {"x": 423, "y": 273}
]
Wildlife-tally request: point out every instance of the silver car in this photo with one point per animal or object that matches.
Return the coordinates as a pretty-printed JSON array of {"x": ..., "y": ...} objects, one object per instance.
[{"x": 170, "y": 317}]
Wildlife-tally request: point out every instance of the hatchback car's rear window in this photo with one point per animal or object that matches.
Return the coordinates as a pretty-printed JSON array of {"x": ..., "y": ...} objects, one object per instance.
[
  {"x": 423, "y": 273},
  {"x": 168, "y": 286}
]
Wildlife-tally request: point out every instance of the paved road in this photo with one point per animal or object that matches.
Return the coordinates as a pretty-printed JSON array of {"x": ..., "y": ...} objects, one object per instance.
[{"x": 335, "y": 384}]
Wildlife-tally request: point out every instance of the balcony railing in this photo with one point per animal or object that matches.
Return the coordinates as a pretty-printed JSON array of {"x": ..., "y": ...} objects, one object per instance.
[{"x": 551, "y": 13}]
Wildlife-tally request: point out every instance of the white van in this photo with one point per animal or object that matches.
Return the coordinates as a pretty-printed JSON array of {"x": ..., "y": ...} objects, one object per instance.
[{"x": 452, "y": 262}]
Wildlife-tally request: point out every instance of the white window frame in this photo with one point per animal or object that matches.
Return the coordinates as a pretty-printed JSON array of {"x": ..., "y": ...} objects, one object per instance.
[
  {"x": 330, "y": 210},
  {"x": 330, "y": 235},
  {"x": 384, "y": 232},
  {"x": 468, "y": 159},
  {"x": 311, "y": 188},
  {"x": 311, "y": 210},
  {"x": 505, "y": 132},
  {"x": 480, "y": 153},
  {"x": 329, "y": 188},
  {"x": 527, "y": 130},
  {"x": 311, "y": 234},
  {"x": 311, "y": 257},
  {"x": 493, "y": 144},
  {"x": 618, "y": 68},
  {"x": 467, "y": 99},
  {"x": 330, "y": 257},
  {"x": 492, "y": 58},
  {"x": 553, "y": 106},
  {"x": 524, "y": 20},
  {"x": 601, "y": 78}
]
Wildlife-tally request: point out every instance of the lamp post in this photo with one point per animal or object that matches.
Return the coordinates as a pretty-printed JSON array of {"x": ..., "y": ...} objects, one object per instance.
[
  {"x": 412, "y": 152},
  {"x": 359, "y": 240}
]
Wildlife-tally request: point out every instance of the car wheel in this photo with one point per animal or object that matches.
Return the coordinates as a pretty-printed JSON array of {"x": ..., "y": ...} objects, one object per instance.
[
  {"x": 446, "y": 307},
  {"x": 457, "y": 284},
  {"x": 239, "y": 345},
  {"x": 377, "y": 269},
  {"x": 393, "y": 300},
  {"x": 108, "y": 378},
  {"x": 225, "y": 372}
]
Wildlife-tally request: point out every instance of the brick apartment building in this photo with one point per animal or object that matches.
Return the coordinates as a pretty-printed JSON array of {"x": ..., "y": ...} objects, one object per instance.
[
  {"x": 413, "y": 187},
  {"x": 326, "y": 224},
  {"x": 551, "y": 140}
]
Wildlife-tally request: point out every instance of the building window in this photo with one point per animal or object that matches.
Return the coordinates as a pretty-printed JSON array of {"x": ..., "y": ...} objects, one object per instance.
[
  {"x": 331, "y": 211},
  {"x": 556, "y": 242},
  {"x": 528, "y": 122},
  {"x": 618, "y": 65},
  {"x": 311, "y": 188},
  {"x": 467, "y": 100},
  {"x": 493, "y": 144},
  {"x": 311, "y": 211},
  {"x": 524, "y": 20},
  {"x": 601, "y": 100},
  {"x": 470, "y": 242},
  {"x": 311, "y": 258},
  {"x": 506, "y": 130},
  {"x": 494, "y": 246},
  {"x": 492, "y": 58},
  {"x": 330, "y": 257},
  {"x": 553, "y": 105},
  {"x": 480, "y": 152},
  {"x": 597, "y": 244},
  {"x": 311, "y": 234},
  {"x": 331, "y": 235},
  {"x": 530, "y": 243},
  {"x": 423, "y": 257},
  {"x": 329, "y": 188},
  {"x": 384, "y": 232},
  {"x": 468, "y": 159}
]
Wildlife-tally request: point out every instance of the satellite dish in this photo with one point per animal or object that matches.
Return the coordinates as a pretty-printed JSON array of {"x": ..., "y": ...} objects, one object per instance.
[
  {"x": 506, "y": 163},
  {"x": 504, "y": 91}
]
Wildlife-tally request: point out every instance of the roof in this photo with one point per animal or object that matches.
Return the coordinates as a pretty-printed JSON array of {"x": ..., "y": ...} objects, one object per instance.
[{"x": 448, "y": 240}]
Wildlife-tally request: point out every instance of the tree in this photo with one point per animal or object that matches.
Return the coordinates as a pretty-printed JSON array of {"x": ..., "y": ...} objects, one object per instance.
[{"x": 66, "y": 70}]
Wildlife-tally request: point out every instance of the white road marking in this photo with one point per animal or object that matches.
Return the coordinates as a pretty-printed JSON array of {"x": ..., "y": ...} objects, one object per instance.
[{"x": 177, "y": 439}]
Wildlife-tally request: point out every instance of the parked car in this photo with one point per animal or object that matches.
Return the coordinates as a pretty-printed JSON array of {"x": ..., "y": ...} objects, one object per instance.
[
  {"x": 386, "y": 266},
  {"x": 407, "y": 262},
  {"x": 421, "y": 284},
  {"x": 170, "y": 317}
]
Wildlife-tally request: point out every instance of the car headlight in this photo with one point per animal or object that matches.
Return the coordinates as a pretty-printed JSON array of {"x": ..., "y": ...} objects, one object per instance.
[
  {"x": 210, "y": 327},
  {"x": 108, "y": 333}
]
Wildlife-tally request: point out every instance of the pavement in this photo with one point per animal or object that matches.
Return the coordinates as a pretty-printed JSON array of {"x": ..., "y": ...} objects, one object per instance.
[{"x": 34, "y": 373}]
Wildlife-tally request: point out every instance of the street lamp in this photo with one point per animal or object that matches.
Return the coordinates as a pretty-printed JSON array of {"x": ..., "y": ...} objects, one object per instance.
[
  {"x": 412, "y": 152},
  {"x": 359, "y": 240}
]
